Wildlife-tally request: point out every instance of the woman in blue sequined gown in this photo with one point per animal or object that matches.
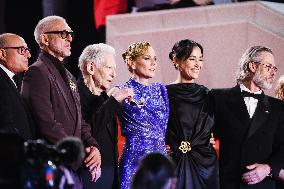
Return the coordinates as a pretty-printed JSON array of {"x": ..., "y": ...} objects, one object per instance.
[{"x": 144, "y": 116}]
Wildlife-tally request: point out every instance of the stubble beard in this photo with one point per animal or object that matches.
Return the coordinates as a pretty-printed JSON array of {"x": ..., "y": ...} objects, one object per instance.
[{"x": 261, "y": 81}]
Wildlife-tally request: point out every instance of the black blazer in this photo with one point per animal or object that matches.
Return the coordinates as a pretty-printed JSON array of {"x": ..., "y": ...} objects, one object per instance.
[
  {"x": 14, "y": 115},
  {"x": 244, "y": 141},
  {"x": 99, "y": 112}
]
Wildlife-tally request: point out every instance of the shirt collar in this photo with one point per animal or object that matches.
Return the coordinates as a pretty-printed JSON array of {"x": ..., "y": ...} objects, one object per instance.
[
  {"x": 244, "y": 88},
  {"x": 8, "y": 72}
]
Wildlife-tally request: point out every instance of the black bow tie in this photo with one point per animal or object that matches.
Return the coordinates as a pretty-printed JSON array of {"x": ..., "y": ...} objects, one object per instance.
[{"x": 248, "y": 94}]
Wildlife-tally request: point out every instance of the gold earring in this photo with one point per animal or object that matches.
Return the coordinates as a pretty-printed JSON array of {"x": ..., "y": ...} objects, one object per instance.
[{"x": 176, "y": 66}]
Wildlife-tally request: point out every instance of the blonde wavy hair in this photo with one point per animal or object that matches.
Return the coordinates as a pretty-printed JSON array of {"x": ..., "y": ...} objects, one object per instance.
[
  {"x": 279, "y": 89},
  {"x": 133, "y": 51}
]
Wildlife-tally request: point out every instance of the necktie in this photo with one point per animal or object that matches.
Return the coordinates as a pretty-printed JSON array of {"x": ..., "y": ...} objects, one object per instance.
[{"x": 253, "y": 95}]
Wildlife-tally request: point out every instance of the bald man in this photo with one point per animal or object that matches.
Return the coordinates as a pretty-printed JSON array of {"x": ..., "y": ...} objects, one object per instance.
[{"x": 14, "y": 56}]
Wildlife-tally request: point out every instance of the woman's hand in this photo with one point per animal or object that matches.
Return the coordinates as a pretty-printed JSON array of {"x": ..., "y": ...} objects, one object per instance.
[
  {"x": 212, "y": 140},
  {"x": 168, "y": 149}
]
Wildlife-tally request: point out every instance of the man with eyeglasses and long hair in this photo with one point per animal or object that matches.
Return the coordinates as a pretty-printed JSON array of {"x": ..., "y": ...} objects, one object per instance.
[
  {"x": 51, "y": 92},
  {"x": 14, "y": 115},
  {"x": 250, "y": 125}
]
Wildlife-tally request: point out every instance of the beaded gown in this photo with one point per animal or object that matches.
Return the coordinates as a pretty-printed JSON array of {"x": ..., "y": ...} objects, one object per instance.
[
  {"x": 144, "y": 126},
  {"x": 190, "y": 125}
]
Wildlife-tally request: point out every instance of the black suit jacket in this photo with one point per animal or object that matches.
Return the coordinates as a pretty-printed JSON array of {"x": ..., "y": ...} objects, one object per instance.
[
  {"x": 55, "y": 105},
  {"x": 14, "y": 115},
  {"x": 245, "y": 141}
]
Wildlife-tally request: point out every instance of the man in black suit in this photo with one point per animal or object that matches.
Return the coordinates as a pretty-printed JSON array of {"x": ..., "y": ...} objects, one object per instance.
[
  {"x": 250, "y": 125},
  {"x": 14, "y": 55},
  {"x": 98, "y": 68}
]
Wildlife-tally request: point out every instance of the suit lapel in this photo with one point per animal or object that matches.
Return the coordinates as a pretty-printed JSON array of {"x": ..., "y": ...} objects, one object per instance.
[
  {"x": 59, "y": 82},
  {"x": 6, "y": 77},
  {"x": 260, "y": 116},
  {"x": 237, "y": 105}
]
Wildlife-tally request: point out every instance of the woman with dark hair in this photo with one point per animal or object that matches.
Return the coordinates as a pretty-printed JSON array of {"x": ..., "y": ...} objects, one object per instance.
[
  {"x": 191, "y": 120},
  {"x": 155, "y": 171}
]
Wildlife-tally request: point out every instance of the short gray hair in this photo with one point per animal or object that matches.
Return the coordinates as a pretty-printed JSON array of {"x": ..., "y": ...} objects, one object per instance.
[
  {"x": 45, "y": 24},
  {"x": 252, "y": 54},
  {"x": 94, "y": 53}
]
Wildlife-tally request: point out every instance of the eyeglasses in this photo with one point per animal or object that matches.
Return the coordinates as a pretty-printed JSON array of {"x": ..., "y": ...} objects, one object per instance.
[
  {"x": 63, "y": 34},
  {"x": 269, "y": 67},
  {"x": 21, "y": 50}
]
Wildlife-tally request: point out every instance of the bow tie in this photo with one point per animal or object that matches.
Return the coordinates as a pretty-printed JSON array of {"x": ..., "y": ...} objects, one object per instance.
[{"x": 253, "y": 95}]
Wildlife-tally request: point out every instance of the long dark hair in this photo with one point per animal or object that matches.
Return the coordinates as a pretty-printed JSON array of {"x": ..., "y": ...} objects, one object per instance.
[{"x": 183, "y": 48}]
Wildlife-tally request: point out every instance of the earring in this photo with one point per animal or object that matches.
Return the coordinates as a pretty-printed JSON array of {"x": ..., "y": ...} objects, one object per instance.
[{"x": 176, "y": 66}]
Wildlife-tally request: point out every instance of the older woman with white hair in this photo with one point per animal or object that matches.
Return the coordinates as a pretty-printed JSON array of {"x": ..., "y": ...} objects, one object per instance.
[{"x": 98, "y": 68}]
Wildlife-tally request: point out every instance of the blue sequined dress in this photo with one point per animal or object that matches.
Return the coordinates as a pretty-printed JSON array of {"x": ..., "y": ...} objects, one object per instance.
[{"x": 144, "y": 126}]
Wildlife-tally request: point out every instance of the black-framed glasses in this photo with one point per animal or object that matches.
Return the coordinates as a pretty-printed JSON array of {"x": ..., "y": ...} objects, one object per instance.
[
  {"x": 269, "y": 67},
  {"x": 21, "y": 49},
  {"x": 63, "y": 34}
]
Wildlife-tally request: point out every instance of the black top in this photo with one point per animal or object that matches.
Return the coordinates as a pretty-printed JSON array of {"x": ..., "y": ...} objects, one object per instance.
[
  {"x": 99, "y": 112},
  {"x": 191, "y": 120}
]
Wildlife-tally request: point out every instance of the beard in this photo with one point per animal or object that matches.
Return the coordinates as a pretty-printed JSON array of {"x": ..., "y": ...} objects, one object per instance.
[
  {"x": 59, "y": 51},
  {"x": 261, "y": 80}
]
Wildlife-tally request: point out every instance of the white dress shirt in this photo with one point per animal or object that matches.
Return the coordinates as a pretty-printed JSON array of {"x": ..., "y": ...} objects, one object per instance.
[
  {"x": 250, "y": 102},
  {"x": 9, "y": 73}
]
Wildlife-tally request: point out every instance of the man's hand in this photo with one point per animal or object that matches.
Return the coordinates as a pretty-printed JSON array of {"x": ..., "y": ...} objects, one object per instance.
[
  {"x": 95, "y": 173},
  {"x": 281, "y": 175},
  {"x": 121, "y": 94},
  {"x": 257, "y": 172},
  {"x": 212, "y": 140},
  {"x": 93, "y": 162}
]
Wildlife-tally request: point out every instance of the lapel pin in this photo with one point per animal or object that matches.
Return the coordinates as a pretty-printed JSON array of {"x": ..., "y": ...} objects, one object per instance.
[{"x": 73, "y": 86}]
